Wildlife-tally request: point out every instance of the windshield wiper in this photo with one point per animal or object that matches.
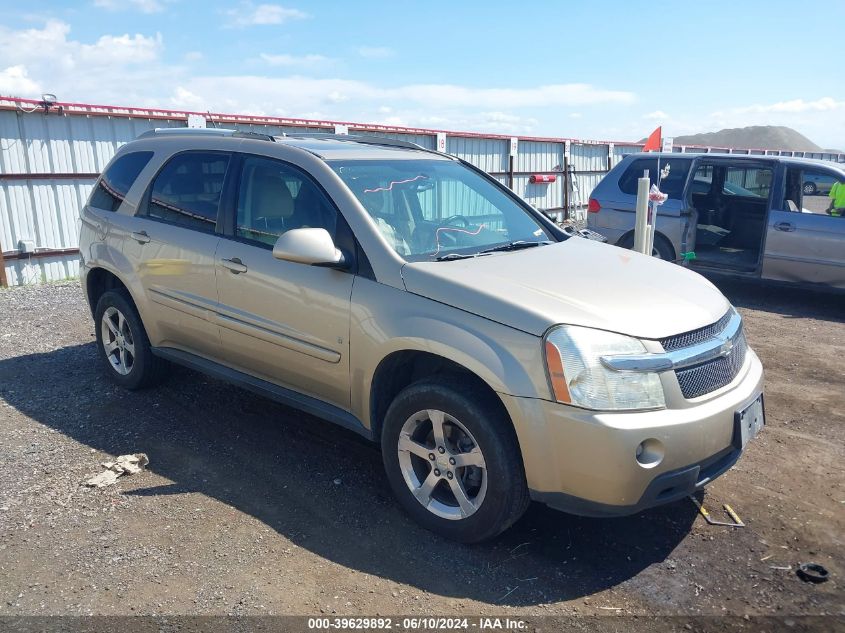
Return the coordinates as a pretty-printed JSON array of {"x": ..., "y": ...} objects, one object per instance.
[
  {"x": 513, "y": 246},
  {"x": 453, "y": 256}
]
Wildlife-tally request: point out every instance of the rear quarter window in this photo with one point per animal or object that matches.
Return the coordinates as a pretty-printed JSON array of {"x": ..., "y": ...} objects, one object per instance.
[
  {"x": 117, "y": 180},
  {"x": 672, "y": 186}
]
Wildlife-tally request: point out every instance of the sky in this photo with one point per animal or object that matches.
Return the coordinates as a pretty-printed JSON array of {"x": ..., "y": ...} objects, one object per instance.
[{"x": 608, "y": 70}]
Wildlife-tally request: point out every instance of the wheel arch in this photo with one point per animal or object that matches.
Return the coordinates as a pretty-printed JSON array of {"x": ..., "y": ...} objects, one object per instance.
[
  {"x": 627, "y": 241},
  {"x": 404, "y": 367},
  {"x": 99, "y": 280}
]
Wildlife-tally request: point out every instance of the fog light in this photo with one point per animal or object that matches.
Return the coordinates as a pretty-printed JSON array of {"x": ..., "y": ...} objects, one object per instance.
[{"x": 650, "y": 453}]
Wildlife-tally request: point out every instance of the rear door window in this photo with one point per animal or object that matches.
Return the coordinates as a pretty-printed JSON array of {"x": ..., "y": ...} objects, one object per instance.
[
  {"x": 117, "y": 180},
  {"x": 672, "y": 185},
  {"x": 187, "y": 190}
]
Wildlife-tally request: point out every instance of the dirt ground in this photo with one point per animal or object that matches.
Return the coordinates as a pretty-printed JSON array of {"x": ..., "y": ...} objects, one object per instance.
[{"x": 252, "y": 508}]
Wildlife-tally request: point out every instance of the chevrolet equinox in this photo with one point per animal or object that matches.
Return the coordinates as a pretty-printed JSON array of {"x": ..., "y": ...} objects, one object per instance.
[{"x": 408, "y": 296}]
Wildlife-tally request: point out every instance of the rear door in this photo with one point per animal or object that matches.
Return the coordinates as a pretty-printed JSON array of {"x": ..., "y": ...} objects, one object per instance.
[
  {"x": 803, "y": 243},
  {"x": 616, "y": 217},
  {"x": 282, "y": 321},
  {"x": 172, "y": 243}
]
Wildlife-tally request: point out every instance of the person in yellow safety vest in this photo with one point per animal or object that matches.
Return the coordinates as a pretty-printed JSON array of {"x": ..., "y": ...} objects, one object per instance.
[{"x": 837, "y": 199}]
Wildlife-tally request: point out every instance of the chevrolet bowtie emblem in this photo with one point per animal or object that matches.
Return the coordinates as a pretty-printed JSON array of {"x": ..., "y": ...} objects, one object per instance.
[{"x": 726, "y": 348}]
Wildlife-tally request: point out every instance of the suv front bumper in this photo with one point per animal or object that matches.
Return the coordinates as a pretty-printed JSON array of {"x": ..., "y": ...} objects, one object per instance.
[{"x": 585, "y": 462}]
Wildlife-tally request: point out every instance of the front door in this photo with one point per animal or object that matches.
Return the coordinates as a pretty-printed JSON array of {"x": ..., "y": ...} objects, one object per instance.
[
  {"x": 803, "y": 242},
  {"x": 281, "y": 321}
]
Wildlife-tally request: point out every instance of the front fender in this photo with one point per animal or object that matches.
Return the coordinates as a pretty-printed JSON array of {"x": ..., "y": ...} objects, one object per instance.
[{"x": 385, "y": 320}]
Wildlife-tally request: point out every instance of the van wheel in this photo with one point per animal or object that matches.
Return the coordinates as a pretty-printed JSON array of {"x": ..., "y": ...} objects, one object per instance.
[
  {"x": 453, "y": 462},
  {"x": 662, "y": 249},
  {"x": 123, "y": 343}
]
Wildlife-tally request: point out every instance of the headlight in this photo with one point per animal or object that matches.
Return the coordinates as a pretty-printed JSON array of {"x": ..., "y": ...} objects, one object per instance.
[{"x": 578, "y": 377}]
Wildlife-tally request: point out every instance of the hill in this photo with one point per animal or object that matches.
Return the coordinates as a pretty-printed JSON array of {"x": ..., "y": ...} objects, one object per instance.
[{"x": 755, "y": 137}]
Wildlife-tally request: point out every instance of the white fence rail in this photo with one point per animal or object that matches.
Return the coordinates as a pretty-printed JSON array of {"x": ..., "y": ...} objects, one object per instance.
[{"x": 50, "y": 158}]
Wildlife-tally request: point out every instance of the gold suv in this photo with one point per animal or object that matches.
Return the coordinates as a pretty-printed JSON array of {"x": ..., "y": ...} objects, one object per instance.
[{"x": 408, "y": 296}]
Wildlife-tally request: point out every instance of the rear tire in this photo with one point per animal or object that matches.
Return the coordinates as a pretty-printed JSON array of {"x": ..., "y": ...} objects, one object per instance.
[
  {"x": 465, "y": 482},
  {"x": 662, "y": 248},
  {"x": 123, "y": 344}
]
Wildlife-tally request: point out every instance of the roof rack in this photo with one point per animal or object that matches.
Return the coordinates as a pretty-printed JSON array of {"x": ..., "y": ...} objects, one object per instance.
[
  {"x": 367, "y": 139},
  {"x": 205, "y": 131}
]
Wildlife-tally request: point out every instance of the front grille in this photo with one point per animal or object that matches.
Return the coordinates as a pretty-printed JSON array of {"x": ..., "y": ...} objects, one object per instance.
[
  {"x": 688, "y": 339},
  {"x": 715, "y": 374}
]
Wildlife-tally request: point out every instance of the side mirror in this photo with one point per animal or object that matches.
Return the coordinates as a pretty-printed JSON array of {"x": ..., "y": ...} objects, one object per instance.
[{"x": 308, "y": 246}]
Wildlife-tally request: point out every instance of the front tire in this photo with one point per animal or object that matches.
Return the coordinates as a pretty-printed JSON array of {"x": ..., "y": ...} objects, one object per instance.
[
  {"x": 453, "y": 461},
  {"x": 123, "y": 344}
]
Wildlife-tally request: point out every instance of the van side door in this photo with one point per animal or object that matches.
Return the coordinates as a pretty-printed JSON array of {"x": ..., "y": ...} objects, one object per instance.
[{"x": 803, "y": 243}]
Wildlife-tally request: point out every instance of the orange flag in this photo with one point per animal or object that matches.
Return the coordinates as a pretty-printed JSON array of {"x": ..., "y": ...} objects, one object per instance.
[{"x": 654, "y": 141}]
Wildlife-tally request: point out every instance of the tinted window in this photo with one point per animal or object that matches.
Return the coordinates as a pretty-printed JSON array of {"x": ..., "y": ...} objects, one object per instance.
[
  {"x": 274, "y": 197},
  {"x": 118, "y": 179},
  {"x": 187, "y": 190},
  {"x": 672, "y": 185}
]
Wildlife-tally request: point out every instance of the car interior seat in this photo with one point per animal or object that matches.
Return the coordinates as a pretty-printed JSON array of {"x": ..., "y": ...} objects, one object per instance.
[{"x": 268, "y": 205}]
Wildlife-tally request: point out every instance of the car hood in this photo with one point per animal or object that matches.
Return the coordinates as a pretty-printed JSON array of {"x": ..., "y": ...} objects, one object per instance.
[{"x": 577, "y": 282}]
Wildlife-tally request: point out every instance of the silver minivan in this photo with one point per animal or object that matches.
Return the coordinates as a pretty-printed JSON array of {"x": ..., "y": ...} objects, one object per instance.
[{"x": 744, "y": 216}]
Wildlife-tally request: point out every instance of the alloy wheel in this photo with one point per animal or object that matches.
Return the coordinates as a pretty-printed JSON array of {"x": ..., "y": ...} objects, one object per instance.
[
  {"x": 118, "y": 342},
  {"x": 442, "y": 464}
]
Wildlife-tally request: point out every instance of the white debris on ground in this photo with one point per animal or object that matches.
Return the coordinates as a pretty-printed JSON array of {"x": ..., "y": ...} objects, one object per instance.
[{"x": 123, "y": 465}]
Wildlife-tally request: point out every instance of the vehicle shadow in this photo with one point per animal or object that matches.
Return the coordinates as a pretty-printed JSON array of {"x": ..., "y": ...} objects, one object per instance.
[
  {"x": 281, "y": 467},
  {"x": 791, "y": 302}
]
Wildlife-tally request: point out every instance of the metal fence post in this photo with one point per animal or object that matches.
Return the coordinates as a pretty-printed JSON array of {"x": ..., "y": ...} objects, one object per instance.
[{"x": 4, "y": 282}]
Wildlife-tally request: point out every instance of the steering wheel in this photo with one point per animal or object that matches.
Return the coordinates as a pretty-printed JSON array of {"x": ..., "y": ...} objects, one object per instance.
[{"x": 452, "y": 220}]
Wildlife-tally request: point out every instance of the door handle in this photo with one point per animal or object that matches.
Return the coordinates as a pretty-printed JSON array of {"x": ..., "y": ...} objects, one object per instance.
[
  {"x": 141, "y": 237},
  {"x": 785, "y": 226},
  {"x": 235, "y": 265}
]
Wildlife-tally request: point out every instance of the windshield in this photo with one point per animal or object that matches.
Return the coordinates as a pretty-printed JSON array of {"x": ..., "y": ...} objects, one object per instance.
[{"x": 438, "y": 209}]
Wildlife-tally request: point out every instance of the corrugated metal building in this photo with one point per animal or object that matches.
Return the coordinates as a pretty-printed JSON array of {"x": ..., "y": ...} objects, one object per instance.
[{"x": 50, "y": 158}]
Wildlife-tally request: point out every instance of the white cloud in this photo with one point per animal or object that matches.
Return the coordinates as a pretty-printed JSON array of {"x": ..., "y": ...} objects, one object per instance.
[
  {"x": 193, "y": 56},
  {"x": 144, "y": 6},
  {"x": 657, "y": 115},
  {"x": 375, "y": 52},
  {"x": 795, "y": 106},
  {"x": 14, "y": 81},
  {"x": 114, "y": 69},
  {"x": 131, "y": 69},
  {"x": 821, "y": 120},
  {"x": 575, "y": 115},
  {"x": 541, "y": 96},
  {"x": 248, "y": 14},
  {"x": 296, "y": 61}
]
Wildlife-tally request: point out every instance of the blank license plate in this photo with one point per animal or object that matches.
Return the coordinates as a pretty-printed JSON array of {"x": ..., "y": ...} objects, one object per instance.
[{"x": 751, "y": 419}]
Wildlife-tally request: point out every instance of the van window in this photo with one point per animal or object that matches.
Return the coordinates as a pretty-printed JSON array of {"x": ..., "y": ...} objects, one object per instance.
[
  {"x": 672, "y": 185},
  {"x": 274, "y": 197},
  {"x": 187, "y": 190},
  {"x": 808, "y": 190},
  {"x": 117, "y": 180},
  {"x": 748, "y": 182}
]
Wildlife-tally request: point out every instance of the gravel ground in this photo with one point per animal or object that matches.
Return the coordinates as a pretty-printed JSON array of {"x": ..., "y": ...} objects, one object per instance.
[{"x": 251, "y": 508}]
